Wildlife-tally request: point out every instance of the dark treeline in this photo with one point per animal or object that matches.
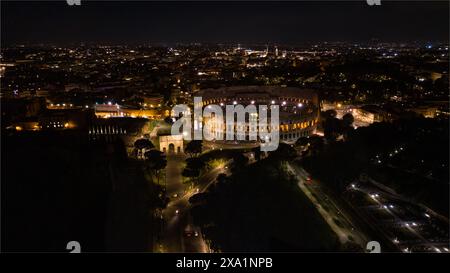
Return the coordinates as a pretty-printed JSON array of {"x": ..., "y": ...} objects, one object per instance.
[
  {"x": 409, "y": 155},
  {"x": 60, "y": 187},
  {"x": 260, "y": 208}
]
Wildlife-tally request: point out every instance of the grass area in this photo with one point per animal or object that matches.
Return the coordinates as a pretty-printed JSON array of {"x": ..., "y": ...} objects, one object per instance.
[{"x": 216, "y": 163}]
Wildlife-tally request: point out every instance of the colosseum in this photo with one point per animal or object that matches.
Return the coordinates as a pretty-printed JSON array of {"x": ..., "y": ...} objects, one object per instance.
[{"x": 299, "y": 108}]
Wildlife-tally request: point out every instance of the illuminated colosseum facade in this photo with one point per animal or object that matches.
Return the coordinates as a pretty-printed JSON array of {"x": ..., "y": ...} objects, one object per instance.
[{"x": 299, "y": 108}]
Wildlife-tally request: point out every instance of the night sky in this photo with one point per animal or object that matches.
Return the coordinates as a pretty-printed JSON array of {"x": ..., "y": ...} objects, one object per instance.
[{"x": 222, "y": 22}]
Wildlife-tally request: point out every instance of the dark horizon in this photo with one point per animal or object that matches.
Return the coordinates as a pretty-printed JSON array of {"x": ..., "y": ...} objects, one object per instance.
[{"x": 288, "y": 23}]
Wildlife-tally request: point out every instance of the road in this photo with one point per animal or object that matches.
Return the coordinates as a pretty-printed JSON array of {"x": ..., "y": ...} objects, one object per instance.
[
  {"x": 329, "y": 210},
  {"x": 178, "y": 233}
]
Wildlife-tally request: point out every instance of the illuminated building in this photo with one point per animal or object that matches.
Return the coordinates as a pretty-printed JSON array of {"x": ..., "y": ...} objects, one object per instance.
[
  {"x": 299, "y": 108},
  {"x": 171, "y": 144},
  {"x": 116, "y": 111}
]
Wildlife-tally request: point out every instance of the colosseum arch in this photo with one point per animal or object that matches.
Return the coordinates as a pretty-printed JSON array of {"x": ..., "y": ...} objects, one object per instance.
[{"x": 171, "y": 144}]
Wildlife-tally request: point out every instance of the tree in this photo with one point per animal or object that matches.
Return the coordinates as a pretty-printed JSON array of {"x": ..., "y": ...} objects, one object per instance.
[
  {"x": 156, "y": 161},
  {"x": 190, "y": 173},
  {"x": 221, "y": 178},
  {"x": 285, "y": 152},
  {"x": 168, "y": 120},
  {"x": 348, "y": 119},
  {"x": 193, "y": 168},
  {"x": 330, "y": 114},
  {"x": 302, "y": 141},
  {"x": 347, "y": 124},
  {"x": 195, "y": 163},
  {"x": 316, "y": 144},
  {"x": 239, "y": 161},
  {"x": 313, "y": 144},
  {"x": 198, "y": 198},
  {"x": 303, "y": 145},
  {"x": 257, "y": 152},
  {"x": 157, "y": 199},
  {"x": 143, "y": 144},
  {"x": 331, "y": 126},
  {"x": 194, "y": 148}
]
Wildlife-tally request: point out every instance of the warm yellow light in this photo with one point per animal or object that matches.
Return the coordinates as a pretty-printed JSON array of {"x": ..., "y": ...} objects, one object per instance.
[{"x": 18, "y": 128}]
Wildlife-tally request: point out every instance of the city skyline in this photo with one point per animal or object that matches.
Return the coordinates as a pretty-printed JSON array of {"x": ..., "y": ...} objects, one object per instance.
[{"x": 115, "y": 141}]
